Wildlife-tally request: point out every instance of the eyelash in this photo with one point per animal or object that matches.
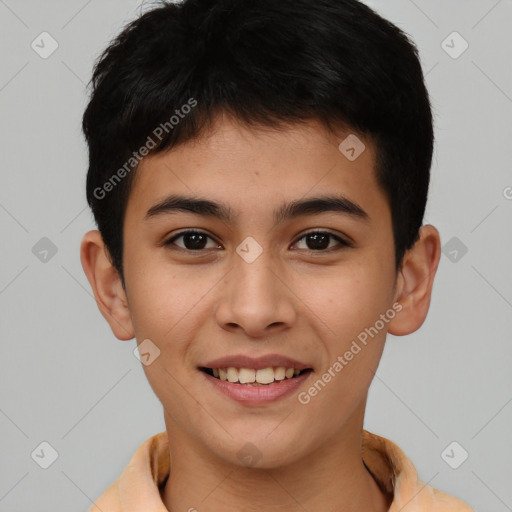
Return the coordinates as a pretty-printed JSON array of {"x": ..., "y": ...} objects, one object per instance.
[{"x": 342, "y": 242}]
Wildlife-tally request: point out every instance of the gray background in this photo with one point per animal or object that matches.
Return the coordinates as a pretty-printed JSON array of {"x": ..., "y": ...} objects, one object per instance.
[{"x": 65, "y": 379}]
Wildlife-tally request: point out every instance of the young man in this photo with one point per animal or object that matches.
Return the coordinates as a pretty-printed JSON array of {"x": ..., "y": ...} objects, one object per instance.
[{"x": 258, "y": 174}]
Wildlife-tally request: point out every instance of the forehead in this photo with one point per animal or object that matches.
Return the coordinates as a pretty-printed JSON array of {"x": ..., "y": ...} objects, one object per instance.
[{"x": 255, "y": 169}]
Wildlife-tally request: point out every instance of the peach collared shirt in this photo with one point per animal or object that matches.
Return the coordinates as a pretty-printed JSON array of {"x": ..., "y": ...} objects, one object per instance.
[{"x": 138, "y": 488}]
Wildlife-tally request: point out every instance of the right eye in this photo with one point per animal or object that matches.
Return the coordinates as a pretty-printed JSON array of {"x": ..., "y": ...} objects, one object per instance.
[{"x": 192, "y": 241}]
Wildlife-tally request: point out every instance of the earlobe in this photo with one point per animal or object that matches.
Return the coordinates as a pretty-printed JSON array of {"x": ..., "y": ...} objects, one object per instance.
[
  {"x": 415, "y": 282},
  {"x": 106, "y": 285}
]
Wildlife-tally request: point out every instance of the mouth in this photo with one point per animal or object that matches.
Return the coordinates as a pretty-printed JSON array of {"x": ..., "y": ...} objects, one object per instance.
[{"x": 253, "y": 377}]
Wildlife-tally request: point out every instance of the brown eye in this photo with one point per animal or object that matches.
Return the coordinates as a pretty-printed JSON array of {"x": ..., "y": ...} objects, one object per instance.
[
  {"x": 319, "y": 241},
  {"x": 192, "y": 241}
]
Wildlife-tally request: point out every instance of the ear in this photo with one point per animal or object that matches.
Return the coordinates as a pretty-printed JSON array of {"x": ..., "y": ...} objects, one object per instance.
[
  {"x": 415, "y": 281},
  {"x": 106, "y": 284}
]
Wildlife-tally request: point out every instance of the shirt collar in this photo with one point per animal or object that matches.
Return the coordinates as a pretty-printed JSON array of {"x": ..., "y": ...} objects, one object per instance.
[{"x": 140, "y": 485}]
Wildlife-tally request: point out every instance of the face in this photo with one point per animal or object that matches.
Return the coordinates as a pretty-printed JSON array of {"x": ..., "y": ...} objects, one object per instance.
[{"x": 267, "y": 284}]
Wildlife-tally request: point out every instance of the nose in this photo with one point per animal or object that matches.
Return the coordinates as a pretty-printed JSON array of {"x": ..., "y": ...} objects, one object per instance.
[{"x": 256, "y": 299}]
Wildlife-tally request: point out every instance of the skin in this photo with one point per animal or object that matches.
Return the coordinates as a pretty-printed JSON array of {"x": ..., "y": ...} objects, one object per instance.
[{"x": 308, "y": 305}]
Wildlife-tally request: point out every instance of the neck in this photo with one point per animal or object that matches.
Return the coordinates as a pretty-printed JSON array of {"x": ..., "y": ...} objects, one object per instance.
[{"x": 331, "y": 478}]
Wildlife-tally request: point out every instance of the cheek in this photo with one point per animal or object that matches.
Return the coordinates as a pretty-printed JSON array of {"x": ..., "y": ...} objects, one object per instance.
[
  {"x": 349, "y": 305},
  {"x": 349, "y": 308},
  {"x": 347, "y": 299},
  {"x": 162, "y": 311},
  {"x": 159, "y": 296}
]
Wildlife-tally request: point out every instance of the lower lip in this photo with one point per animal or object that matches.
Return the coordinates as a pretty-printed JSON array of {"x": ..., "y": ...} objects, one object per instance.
[{"x": 258, "y": 395}]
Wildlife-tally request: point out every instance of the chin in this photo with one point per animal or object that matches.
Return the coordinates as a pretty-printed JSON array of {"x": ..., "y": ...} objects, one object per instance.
[{"x": 260, "y": 450}]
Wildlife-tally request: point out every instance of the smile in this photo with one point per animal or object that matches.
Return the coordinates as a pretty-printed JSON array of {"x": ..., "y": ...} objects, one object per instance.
[{"x": 254, "y": 377}]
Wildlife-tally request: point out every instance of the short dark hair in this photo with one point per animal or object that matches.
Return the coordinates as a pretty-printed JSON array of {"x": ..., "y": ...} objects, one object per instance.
[{"x": 267, "y": 63}]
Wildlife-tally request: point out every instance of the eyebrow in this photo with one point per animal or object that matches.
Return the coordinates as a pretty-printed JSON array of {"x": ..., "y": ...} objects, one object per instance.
[{"x": 311, "y": 206}]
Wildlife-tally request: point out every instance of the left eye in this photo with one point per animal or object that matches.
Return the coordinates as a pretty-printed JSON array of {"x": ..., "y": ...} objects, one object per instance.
[
  {"x": 320, "y": 240},
  {"x": 316, "y": 241}
]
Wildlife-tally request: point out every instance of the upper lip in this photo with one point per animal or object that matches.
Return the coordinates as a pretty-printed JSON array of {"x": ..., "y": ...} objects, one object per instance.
[{"x": 257, "y": 363}]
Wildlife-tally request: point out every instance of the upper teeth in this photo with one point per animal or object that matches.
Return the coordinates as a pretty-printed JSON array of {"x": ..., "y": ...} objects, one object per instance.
[{"x": 248, "y": 375}]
